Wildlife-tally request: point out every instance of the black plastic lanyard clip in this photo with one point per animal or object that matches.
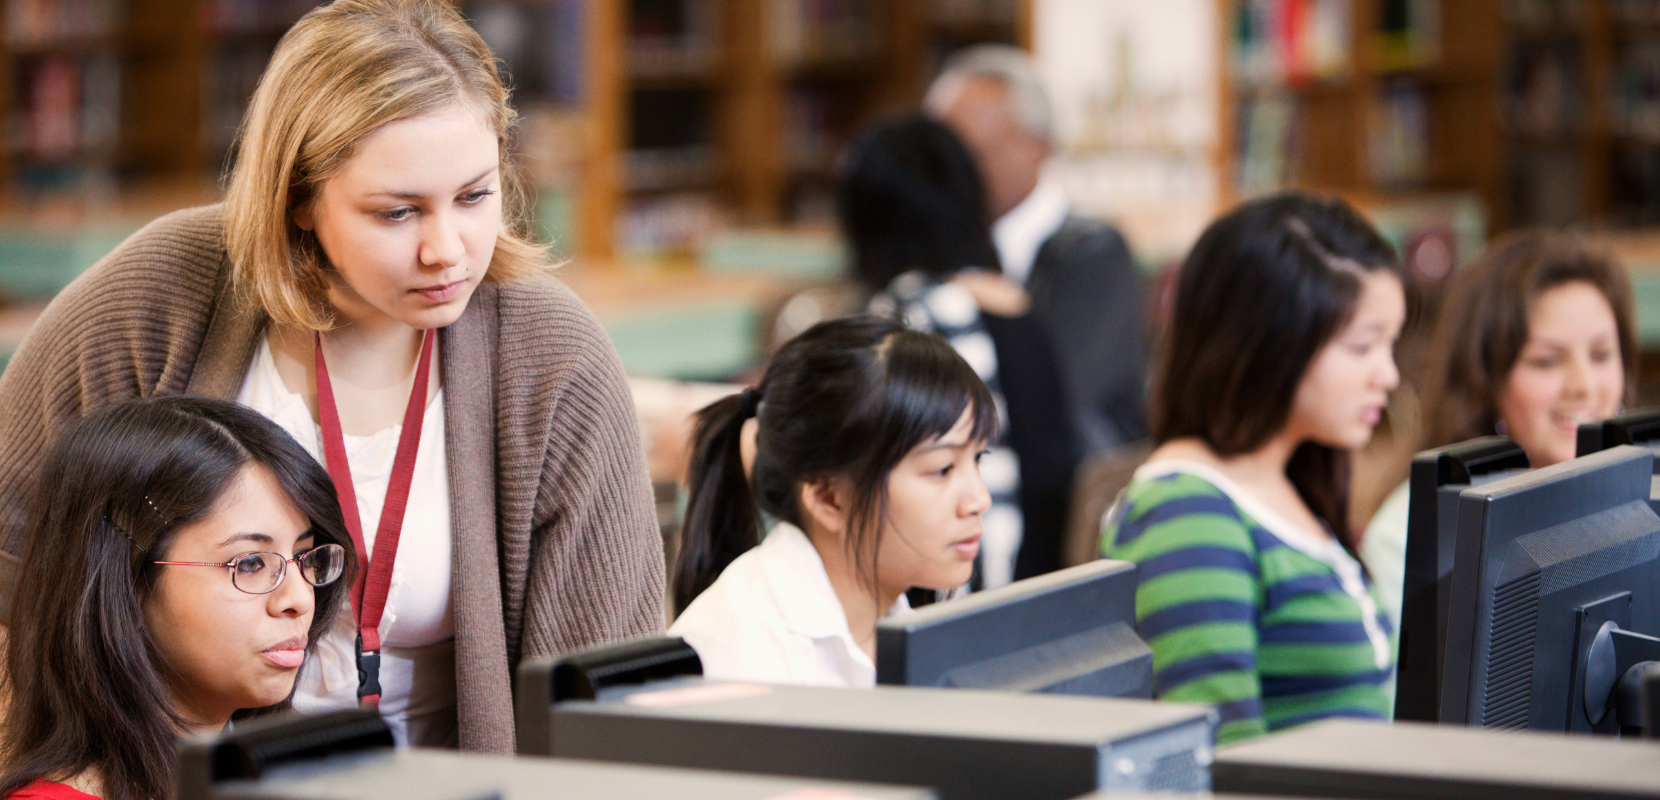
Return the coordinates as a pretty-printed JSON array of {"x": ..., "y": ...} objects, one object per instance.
[{"x": 368, "y": 674}]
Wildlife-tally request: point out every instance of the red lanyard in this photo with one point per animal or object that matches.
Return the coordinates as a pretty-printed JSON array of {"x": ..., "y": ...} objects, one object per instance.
[{"x": 374, "y": 578}]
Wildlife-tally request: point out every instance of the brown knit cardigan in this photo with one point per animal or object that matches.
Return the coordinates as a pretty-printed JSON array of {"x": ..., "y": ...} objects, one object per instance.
[{"x": 555, "y": 540}]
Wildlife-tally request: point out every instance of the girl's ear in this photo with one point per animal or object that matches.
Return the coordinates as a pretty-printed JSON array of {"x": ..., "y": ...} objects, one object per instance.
[
  {"x": 304, "y": 219},
  {"x": 826, "y": 503}
]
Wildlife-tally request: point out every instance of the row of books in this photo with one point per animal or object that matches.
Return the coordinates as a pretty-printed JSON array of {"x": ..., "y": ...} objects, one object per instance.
[
  {"x": 229, "y": 79},
  {"x": 673, "y": 225},
  {"x": 1544, "y": 87},
  {"x": 1634, "y": 98},
  {"x": 36, "y": 22},
  {"x": 809, "y": 31},
  {"x": 254, "y": 16},
  {"x": 1542, "y": 15},
  {"x": 66, "y": 106},
  {"x": 817, "y": 122},
  {"x": 1397, "y": 126},
  {"x": 1291, "y": 41},
  {"x": 670, "y": 37},
  {"x": 543, "y": 45},
  {"x": 1397, "y": 141},
  {"x": 1409, "y": 35}
]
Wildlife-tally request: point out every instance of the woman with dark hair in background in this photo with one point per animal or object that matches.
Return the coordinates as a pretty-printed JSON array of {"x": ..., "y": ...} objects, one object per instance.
[
  {"x": 1535, "y": 336},
  {"x": 913, "y": 207},
  {"x": 867, "y": 440},
  {"x": 184, "y": 556},
  {"x": 1278, "y": 362}
]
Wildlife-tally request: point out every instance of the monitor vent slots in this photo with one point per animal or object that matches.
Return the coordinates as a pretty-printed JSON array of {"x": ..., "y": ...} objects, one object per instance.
[{"x": 1507, "y": 695}]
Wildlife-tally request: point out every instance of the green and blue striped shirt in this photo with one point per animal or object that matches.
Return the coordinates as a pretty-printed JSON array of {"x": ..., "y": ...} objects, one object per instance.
[{"x": 1271, "y": 624}]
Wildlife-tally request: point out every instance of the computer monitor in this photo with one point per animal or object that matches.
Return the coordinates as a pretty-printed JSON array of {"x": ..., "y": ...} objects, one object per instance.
[
  {"x": 1555, "y": 586},
  {"x": 1418, "y": 761},
  {"x": 1068, "y": 632},
  {"x": 1436, "y": 479},
  {"x": 349, "y": 756},
  {"x": 1640, "y": 428}
]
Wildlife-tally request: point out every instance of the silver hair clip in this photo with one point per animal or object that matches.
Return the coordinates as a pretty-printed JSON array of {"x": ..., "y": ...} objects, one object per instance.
[
  {"x": 124, "y": 535},
  {"x": 152, "y": 505}
]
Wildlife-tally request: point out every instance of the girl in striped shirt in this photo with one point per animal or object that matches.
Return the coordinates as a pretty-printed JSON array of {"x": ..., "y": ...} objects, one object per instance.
[{"x": 1278, "y": 362}]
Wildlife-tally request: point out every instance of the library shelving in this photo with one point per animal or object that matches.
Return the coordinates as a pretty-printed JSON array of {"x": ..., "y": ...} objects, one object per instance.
[
  {"x": 702, "y": 114},
  {"x": 648, "y": 123},
  {"x": 1547, "y": 110}
]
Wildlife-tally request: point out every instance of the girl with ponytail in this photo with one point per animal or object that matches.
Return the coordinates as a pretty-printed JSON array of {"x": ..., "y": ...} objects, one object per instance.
[{"x": 866, "y": 446}]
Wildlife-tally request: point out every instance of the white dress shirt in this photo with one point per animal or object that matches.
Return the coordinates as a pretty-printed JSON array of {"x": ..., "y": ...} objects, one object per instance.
[
  {"x": 1021, "y": 232},
  {"x": 773, "y": 617},
  {"x": 417, "y": 630}
]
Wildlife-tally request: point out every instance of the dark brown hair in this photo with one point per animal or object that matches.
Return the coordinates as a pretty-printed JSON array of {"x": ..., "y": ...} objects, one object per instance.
[
  {"x": 1263, "y": 290},
  {"x": 87, "y": 685},
  {"x": 848, "y": 398},
  {"x": 1482, "y": 326},
  {"x": 911, "y": 198}
]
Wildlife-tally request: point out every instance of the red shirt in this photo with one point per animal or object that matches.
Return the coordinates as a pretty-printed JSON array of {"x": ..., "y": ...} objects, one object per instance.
[{"x": 43, "y": 789}]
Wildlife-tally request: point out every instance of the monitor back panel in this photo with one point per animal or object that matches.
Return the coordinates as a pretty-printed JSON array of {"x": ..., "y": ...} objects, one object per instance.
[
  {"x": 1069, "y": 632},
  {"x": 1437, "y": 478},
  {"x": 969, "y": 745},
  {"x": 1532, "y": 550}
]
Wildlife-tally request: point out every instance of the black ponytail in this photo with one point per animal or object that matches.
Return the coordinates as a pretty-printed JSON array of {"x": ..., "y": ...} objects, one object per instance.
[
  {"x": 722, "y": 519},
  {"x": 848, "y": 398}
]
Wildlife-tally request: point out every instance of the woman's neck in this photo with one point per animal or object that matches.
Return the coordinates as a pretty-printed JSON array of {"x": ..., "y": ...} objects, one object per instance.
[
  {"x": 89, "y": 780},
  {"x": 862, "y": 608},
  {"x": 371, "y": 368},
  {"x": 1261, "y": 472},
  {"x": 1270, "y": 459}
]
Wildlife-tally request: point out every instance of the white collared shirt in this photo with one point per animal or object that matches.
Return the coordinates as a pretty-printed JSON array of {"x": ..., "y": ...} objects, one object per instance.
[
  {"x": 1021, "y": 232},
  {"x": 773, "y": 617},
  {"x": 417, "y": 627}
]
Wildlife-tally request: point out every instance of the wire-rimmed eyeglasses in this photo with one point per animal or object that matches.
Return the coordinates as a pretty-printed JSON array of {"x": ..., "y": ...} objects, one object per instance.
[{"x": 261, "y": 573}]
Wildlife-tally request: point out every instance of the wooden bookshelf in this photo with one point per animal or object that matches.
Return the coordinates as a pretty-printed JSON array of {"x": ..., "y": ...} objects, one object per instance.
[
  {"x": 1360, "y": 97},
  {"x": 1548, "y": 110},
  {"x": 648, "y": 121}
]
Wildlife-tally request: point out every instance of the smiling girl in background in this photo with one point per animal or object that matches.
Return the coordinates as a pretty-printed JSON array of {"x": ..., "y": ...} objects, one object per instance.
[
  {"x": 1278, "y": 362},
  {"x": 183, "y": 555},
  {"x": 369, "y": 284},
  {"x": 866, "y": 443},
  {"x": 1534, "y": 337}
]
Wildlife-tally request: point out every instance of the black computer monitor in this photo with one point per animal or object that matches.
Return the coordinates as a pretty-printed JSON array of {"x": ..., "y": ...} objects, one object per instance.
[
  {"x": 1437, "y": 477},
  {"x": 1068, "y": 632},
  {"x": 1640, "y": 428},
  {"x": 1556, "y": 582}
]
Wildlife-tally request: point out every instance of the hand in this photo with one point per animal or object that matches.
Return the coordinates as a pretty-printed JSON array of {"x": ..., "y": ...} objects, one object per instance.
[{"x": 994, "y": 293}]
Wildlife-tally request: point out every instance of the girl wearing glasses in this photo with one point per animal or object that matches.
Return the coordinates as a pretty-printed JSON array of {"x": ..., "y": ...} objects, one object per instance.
[
  {"x": 373, "y": 257},
  {"x": 184, "y": 555}
]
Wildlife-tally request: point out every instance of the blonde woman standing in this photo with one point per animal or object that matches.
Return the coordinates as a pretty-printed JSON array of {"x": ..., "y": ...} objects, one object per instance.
[{"x": 369, "y": 285}]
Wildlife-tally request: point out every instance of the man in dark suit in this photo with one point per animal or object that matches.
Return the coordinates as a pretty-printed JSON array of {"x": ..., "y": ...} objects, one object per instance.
[{"x": 1084, "y": 285}]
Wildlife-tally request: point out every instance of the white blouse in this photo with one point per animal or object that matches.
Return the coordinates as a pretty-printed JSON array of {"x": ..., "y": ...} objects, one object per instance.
[
  {"x": 773, "y": 617},
  {"x": 417, "y": 627}
]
